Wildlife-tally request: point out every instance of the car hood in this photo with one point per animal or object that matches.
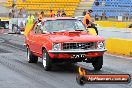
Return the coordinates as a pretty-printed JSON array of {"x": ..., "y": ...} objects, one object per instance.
[{"x": 60, "y": 37}]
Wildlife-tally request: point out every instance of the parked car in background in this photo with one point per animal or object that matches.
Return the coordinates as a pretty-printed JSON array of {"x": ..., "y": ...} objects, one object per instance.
[{"x": 57, "y": 40}]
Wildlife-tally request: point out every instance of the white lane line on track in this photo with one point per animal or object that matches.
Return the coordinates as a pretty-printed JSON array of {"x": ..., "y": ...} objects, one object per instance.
[{"x": 123, "y": 57}]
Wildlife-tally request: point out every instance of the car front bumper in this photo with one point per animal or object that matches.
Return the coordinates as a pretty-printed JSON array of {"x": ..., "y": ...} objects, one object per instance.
[{"x": 77, "y": 51}]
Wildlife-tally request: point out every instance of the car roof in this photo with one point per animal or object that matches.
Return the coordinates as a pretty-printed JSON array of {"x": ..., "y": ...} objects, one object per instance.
[{"x": 59, "y": 18}]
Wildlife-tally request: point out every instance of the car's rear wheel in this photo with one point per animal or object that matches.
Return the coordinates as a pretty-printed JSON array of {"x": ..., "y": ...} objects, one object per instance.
[
  {"x": 47, "y": 63},
  {"x": 97, "y": 63},
  {"x": 31, "y": 58}
]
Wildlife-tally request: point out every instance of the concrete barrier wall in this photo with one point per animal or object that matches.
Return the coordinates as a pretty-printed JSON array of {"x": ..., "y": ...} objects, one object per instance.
[
  {"x": 113, "y": 24},
  {"x": 119, "y": 46}
]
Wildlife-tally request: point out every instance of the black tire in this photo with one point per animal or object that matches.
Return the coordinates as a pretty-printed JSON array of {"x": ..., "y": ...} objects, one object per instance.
[
  {"x": 97, "y": 63},
  {"x": 47, "y": 63},
  {"x": 31, "y": 58}
]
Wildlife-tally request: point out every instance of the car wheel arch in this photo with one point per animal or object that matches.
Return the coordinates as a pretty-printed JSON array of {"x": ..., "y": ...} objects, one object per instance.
[
  {"x": 27, "y": 46},
  {"x": 43, "y": 48}
]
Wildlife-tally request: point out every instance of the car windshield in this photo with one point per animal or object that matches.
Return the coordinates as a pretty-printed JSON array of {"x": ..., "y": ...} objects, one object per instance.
[{"x": 63, "y": 25}]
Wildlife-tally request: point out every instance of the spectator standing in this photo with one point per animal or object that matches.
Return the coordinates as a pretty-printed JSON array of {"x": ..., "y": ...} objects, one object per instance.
[
  {"x": 41, "y": 16},
  {"x": 58, "y": 13},
  {"x": 24, "y": 13},
  {"x": 103, "y": 16},
  {"x": 10, "y": 13},
  {"x": 84, "y": 12},
  {"x": 14, "y": 11},
  {"x": 63, "y": 13},
  {"x": 52, "y": 13},
  {"x": 14, "y": 25},
  {"x": 96, "y": 17},
  {"x": 33, "y": 18},
  {"x": 20, "y": 13},
  {"x": 30, "y": 19},
  {"x": 24, "y": 16},
  {"x": 127, "y": 16}
]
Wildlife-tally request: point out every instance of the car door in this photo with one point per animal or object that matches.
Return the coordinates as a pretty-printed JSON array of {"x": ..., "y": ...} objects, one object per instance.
[
  {"x": 37, "y": 39},
  {"x": 30, "y": 38}
]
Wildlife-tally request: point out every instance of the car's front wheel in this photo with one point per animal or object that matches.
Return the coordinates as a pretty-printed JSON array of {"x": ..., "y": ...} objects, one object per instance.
[
  {"x": 47, "y": 63},
  {"x": 31, "y": 58},
  {"x": 97, "y": 62}
]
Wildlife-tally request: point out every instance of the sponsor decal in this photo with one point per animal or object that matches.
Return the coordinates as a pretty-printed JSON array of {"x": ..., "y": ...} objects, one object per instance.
[{"x": 84, "y": 78}]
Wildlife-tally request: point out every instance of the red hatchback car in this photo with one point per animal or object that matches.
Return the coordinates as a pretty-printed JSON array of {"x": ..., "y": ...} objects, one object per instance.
[{"x": 63, "y": 40}]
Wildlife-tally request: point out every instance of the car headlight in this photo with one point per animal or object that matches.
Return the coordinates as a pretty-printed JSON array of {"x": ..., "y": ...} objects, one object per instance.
[
  {"x": 100, "y": 45},
  {"x": 56, "y": 46}
]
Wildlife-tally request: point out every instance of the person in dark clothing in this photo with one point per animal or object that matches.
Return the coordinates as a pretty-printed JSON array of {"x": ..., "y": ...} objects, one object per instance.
[
  {"x": 63, "y": 13},
  {"x": 13, "y": 10},
  {"x": 96, "y": 17},
  {"x": 127, "y": 16},
  {"x": 84, "y": 12},
  {"x": 58, "y": 13},
  {"x": 103, "y": 16}
]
